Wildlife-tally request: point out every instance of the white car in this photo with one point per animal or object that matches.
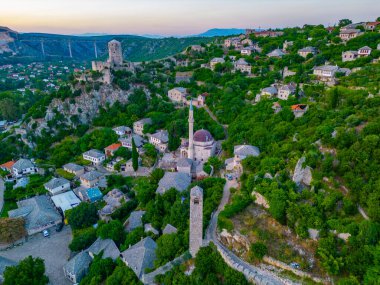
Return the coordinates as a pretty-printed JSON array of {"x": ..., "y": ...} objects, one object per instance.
[{"x": 46, "y": 233}]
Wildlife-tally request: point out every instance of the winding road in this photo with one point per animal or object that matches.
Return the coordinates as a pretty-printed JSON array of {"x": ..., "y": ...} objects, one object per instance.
[{"x": 252, "y": 273}]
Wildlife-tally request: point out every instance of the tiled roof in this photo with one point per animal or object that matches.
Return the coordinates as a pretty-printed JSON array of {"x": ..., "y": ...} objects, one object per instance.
[
  {"x": 22, "y": 164},
  {"x": 134, "y": 220},
  {"x": 114, "y": 146},
  {"x": 108, "y": 247},
  {"x": 37, "y": 212},
  {"x": 78, "y": 263},
  {"x": 161, "y": 135},
  {"x": 73, "y": 167},
  {"x": 56, "y": 182},
  {"x": 94, "y": 153},
  {"x": 8, "y": 165},
  {"x": 169, "y": 229},
  {"x": 141, "y": 256},
  {"x": 177, "y": 180},
  {"x": 92, "y": 175},
  {"x": 246, "y": 150}
]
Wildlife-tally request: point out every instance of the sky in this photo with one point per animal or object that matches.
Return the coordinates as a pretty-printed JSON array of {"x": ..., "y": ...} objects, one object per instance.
[{"x": 175, "y": 17}]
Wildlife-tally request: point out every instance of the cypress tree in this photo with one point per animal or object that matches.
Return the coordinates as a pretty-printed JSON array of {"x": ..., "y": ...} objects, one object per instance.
[{"x": 135, "y": 156}]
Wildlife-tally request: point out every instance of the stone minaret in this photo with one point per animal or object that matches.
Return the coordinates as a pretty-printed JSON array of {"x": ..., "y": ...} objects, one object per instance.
[
  {"x": 115, "y": 53},
  {"x": 190, "y": 153},
  {"x": 196, "y": 220}
]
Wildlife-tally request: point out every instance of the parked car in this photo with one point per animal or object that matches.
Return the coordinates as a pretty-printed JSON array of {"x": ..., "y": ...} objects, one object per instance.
[
  {"x": 295, "y": 265},
  {"x": 46, "y": 233}
]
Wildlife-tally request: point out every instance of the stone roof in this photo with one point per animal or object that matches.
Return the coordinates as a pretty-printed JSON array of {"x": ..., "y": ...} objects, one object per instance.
[
  {"x": 184, "y": 162},
  {"x": 288, "y": 87},
  {"x": 218, "y": 60},
  {"x": 37, "y": 212},
  {"x": 56, "y": 182},
  {"x": 177, "y": 180},
  {"x": 161, "y": 135},
  {"x": 271, "y": 90},
  {"x": 122, "y": 129},
  {"x": 365, "y": 48},
  {"x": 169, "y": 229},
  {"x": 276, "y": 53},
  {"x": 180, "y": 89},
  {"x": 196, "y": 191},
  {"x": 141, "y": 256},
  {"x": 246, "y": 150},
  {"x": 94, "y": 153},
  {"x": 203, "y": 136},
  {"x": 92, "y": 175},
  {"x": 73, "y": 167},
  {"x": 22, "y": 164},
  {"x": 78, "y": 263},
  {"x": 108, "y": 247},
  {"x": 5, "y": 262},
  {"x": 308, "y": 49},
  {"x": 138, "y": 140},
  {"x": 149, "y": 228},
  {"x": 144, "y": 121},
  {"x": 327, "y": 68},
  {"x": 134, "y": 220}
]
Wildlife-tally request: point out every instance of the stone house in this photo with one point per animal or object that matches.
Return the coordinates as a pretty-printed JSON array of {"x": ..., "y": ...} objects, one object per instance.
[
  {"x": 77, "y": 267},
  {"x": 177, "y": 180},
  {"x": 364, "y": 51},
  {"x": 178, "y": 94},
  {"x": 127, "y": 142},
  {"x": 91, "y": 178},
  {"x": 371, "y": 26},
  {"x": 73, "y": 168},
  {"x": 326, "y": 72},
  {"x": 122, "y": 131},
  {"x": 95, "y": 156},
  {"x": 111, "y": 149},
  {"x": 169, "y": 229},
  {"x": 138, "y": 126},
  {"x": 107, "y": 246},
  {"x": 134, "y": 221},
  {"x": 184, "y": 165},
  {"x": 23, "y": 167},
  {"x": 277, "y": 53},
  {"x": 270, "y": 91},
  {"x": 242, "y": 66},
  {"x": 114, "y": 200},
  {"x": 286, "y": 90},
  {"x": 140, "y": 256},
  {"x": 247, "y": 50},
  {"x": 160, "y": 140},
  {"x": 348, "y": 34},
  {"x": 38, "y": 212},
  {"x": 299, "y": 110},
  {"x": 57, "y": 185},
  {"x": 197, "y": 48},
  {"x": 304, "y": 52},
  {"x": 240, "y": 153},
  {"x": 349, "y": 55},
  {"x": 216, "y": 61}
]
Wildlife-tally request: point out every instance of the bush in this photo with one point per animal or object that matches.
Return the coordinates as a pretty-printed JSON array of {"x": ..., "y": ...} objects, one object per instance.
[
  {"x": 258, "y": 250},
  {"x": 83, "y": 239},
  {"x": 82, "y": 216}
]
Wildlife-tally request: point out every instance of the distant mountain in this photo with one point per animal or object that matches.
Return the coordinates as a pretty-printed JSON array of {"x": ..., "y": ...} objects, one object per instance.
[
  {"x": 24, "y": 47},
  {"x": 90, "y": 34},
  {"x": 221, "y": 32}
]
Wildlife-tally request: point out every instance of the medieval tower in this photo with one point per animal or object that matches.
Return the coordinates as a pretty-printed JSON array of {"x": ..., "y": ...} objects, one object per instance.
[
  {"x": 196, "y": 220},
  {"x": 115, "y": 53},
  {"x": 191, "y": 132}
]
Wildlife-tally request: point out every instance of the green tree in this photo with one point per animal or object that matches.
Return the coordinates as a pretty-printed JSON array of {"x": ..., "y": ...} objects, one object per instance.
[
  {"x": 123, "y": 275},
  {"x": 113, "y": 230},
  {"x": 258, "y": 250},
  {"x": 83, "y": 239},
  {"x": 83, "y": 216},
  {"x": 135, "y": 156},
  {"x": 29, "y": 271},
  {"x": 168, "y": 247}
]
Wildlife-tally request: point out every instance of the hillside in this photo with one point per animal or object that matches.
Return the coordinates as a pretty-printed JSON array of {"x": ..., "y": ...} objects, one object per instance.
[{"x": 16, "y": 47}]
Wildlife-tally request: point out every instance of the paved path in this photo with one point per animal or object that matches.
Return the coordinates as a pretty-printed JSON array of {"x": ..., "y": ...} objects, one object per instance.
[
  {"x": 53, "y": 250},
  {"x": 252, "y": 273},
  {"x": 2, "y": 189},
  {"x": 216, "y": 120}
]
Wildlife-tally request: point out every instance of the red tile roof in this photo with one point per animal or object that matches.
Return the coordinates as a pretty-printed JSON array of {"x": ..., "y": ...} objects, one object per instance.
[
  {"x": 114, "y": 146},
  {"x": 8, "y": 165}
]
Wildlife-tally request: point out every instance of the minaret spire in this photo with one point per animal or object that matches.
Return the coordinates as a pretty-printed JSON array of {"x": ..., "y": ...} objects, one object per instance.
[{"x": 190, "y": 153}]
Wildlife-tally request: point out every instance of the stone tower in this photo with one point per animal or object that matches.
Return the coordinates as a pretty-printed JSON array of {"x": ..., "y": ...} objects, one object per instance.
[
  {"x": 115, "y": 53},
  {"x": 190, "y": 153},
  {"x": 196, "y": 220}
]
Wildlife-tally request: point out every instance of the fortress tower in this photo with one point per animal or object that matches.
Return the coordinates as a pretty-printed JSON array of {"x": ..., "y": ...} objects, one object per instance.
[
  {"x": 196, "y": 220},
  {"x": 115, "y": 53},
  {"x": 190, "y": 153}
]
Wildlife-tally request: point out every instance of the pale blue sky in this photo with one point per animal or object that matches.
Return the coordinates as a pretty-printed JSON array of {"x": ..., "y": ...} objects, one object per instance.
[{"x": 175, "y": 17}]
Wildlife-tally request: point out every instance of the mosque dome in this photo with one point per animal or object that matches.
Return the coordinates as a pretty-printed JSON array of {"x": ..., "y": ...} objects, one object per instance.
[{"x": 202, "y": 136}]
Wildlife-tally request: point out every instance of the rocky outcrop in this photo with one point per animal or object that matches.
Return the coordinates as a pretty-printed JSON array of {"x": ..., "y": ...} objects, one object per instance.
[
  {"x": 260, "y": 200},
  {"x": 238, "y": 242},
  {"x": 302, "y": 175},
  {"x": 87, "y": 105}
]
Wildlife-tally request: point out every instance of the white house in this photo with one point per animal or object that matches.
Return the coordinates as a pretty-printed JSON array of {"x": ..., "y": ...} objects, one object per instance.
[
  {"x": 240, "y": 153},
  {"x": 216, "y": 61},
  {"x": 304, "y": 52},
  {"x": 243, "y": 66},
  {"x": 57, "y": 185},
  {"x": 23, "y": 167},
  {"x": 138, "y": 126},
  {"x": 348, "y": 34},
  {"x": 95, "y": 156},
  {"x": 122, "y": 130},
  {"x": 349, "y": 55},
  {"x": 364, "y": 51},
  {"x": 127, "y": 142},
  {"x": 270, "y": 91},
  {"x": 160, "y": 140},
  {"x": 177, "y": 94},
  {"x": 326, "y": 72},
  {"x": 285, "y": 91}
]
